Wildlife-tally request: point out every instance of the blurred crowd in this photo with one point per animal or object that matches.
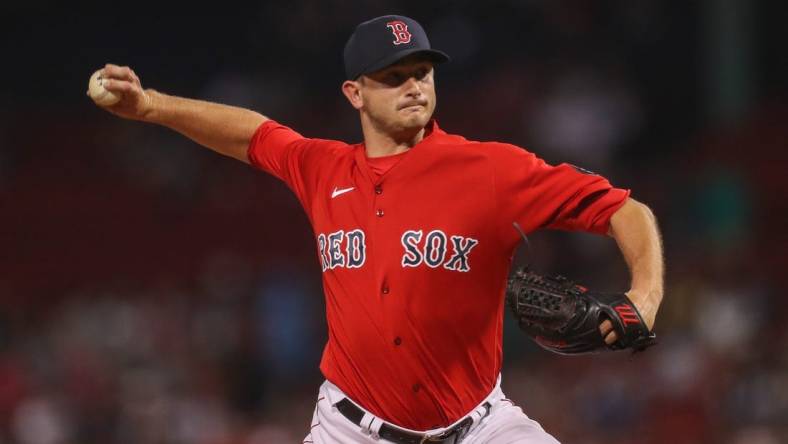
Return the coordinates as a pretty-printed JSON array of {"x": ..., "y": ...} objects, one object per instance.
[{"x": 154, "y": 292}]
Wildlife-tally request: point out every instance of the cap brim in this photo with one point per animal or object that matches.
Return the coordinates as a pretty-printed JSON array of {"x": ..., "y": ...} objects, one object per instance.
[{"x": 434, "y": 55}]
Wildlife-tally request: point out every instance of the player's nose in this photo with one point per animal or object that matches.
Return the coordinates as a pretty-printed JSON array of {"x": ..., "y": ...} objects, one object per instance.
[{"x": 412, "y": 87}]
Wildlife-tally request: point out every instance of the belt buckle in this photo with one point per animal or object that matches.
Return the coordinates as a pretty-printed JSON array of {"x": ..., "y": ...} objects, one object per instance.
[
  {"x": 457, "y": 432},
  {"x": 441, "y": 437},
  {"x": 434, "y": 438}
]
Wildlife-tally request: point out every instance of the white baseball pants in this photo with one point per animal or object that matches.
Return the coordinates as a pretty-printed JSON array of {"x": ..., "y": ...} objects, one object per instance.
[{"x": 505, "y": 424}]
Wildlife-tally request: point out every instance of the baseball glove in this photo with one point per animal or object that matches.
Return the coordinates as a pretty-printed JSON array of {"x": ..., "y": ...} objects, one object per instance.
[{"x": 564, "y": 318}]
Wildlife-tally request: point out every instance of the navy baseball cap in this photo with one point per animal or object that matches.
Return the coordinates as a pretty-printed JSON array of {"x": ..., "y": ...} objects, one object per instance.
[{"x": 382, "y": 41}]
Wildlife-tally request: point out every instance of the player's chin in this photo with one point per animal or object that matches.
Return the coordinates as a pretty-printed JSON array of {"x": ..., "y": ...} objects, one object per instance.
[{"x": 416, "y": 118}]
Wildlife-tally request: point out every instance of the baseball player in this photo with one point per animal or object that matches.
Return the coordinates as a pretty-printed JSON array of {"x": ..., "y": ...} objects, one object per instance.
[{"x": 413, "y": 232}]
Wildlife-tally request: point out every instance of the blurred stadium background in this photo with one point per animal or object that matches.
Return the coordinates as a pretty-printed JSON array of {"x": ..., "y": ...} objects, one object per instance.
[{"x": 154, "y": 292}]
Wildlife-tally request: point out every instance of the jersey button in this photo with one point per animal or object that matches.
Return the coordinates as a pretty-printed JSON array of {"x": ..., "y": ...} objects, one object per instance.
[
  {"x": 378, "y": 189},
  {"x": 379, "y": 213},
  {"x": 385, "y": 289},
  {"x": 397, "y": 341},
  {"x": 416, "y": 387}
]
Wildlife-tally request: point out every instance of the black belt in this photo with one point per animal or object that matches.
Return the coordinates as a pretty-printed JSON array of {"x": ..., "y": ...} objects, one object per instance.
[{"x": 449, "y": 436}]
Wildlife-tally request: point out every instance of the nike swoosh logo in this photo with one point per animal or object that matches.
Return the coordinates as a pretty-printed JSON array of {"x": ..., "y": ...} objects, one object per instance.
[{"x": 337, "y": 192}]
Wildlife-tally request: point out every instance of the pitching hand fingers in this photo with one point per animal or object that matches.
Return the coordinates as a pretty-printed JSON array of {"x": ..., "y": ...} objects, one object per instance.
[
  {"x": 135, "y": 103},
  {"x": 111, "y": 71},
  {"x": 134, "y": 78},
  {"x": 607, "y": 331},
  {"x": 120, "y": 86}
]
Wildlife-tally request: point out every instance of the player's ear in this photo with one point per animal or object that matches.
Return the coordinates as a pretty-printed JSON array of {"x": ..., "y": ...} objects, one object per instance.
[{"x": 352, "y": 90}]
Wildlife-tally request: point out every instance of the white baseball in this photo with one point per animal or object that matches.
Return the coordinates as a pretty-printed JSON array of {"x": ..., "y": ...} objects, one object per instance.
[{"x": 98, "y": 93}]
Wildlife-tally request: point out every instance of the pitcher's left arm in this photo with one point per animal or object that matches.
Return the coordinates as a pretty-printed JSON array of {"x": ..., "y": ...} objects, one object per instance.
[{"x": 635, "y": 230}]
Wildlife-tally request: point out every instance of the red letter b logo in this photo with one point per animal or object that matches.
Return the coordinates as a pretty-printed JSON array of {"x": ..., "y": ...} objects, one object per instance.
[{"x": 400, "y": 31}]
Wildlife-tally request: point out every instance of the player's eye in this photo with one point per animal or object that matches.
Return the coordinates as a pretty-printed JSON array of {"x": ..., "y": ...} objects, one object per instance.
[{"x": 395, "y": 78}]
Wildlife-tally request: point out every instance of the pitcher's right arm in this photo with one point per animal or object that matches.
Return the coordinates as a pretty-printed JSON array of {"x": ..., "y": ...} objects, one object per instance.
[{"x": 223, "y": 128}]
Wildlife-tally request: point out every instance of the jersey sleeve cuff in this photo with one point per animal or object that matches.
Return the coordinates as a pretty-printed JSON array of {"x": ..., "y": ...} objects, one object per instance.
[
  {"x": 610, "y": 203},
  {"x": 256, "y": 141}
]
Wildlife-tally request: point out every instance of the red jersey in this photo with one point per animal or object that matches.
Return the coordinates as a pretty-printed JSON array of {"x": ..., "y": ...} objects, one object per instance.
[{"x": 415, "y": 259}]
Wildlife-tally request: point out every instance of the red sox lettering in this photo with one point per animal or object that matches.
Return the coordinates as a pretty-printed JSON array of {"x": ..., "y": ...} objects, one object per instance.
[
  {"x": 348, "y": 250},
  {"x": 434, "y": 250},
  {"x": 332, "y": 254}
]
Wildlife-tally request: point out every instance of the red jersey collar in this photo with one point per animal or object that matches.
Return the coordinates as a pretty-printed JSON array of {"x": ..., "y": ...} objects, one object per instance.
[{"x": 431, "y": 133}]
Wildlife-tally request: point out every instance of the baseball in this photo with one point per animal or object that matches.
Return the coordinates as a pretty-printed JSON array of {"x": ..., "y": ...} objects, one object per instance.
[{"x": 98, "y": 93}]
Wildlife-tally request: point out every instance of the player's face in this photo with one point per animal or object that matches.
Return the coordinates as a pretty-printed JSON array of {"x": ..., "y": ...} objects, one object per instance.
[{"x": 401, "y": 97}]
